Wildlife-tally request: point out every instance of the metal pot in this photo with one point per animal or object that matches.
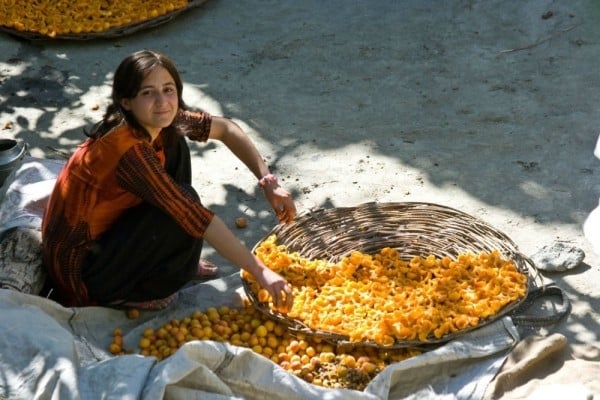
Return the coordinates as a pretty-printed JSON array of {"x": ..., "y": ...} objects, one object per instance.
[{"x": 11, "y": 154}]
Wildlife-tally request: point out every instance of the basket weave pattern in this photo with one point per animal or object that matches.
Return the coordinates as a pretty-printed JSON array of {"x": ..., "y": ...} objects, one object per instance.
[{"x": 414, "y": 229}]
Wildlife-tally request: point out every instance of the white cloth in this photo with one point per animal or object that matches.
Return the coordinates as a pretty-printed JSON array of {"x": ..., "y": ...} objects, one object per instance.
[
  {"x": 23, "y": 198},
  {"x": 25, "y": 192},
  {"x": 51, "y": 352},
  {"x": 591, "y": 226}
]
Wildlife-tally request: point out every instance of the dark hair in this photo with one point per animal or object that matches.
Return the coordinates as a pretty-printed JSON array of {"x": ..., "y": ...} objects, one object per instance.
[{"x": 126, "y": 85}]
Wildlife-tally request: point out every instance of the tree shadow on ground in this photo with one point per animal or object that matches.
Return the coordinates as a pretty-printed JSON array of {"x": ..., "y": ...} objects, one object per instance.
[{"x": 488, "y": 97}]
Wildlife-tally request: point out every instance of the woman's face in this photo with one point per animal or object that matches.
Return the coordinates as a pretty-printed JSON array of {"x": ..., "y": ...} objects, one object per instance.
[{"x": 156, "y": 103}]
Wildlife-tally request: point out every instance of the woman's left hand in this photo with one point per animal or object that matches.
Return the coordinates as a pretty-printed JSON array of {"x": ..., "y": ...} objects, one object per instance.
[
  {"x": 281, "y": 201},
  {"x": 279, "y": 289}
]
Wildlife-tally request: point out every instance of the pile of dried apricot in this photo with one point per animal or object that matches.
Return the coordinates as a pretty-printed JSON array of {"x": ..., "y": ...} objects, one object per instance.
[
  {"x": 384, "y": 299},
  {"x": 311, "y": 359},
  {"x": 61, "y": 17}
]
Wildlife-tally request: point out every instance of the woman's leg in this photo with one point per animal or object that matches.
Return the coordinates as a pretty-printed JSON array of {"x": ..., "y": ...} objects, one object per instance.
[{"x": 144, "y": 256}]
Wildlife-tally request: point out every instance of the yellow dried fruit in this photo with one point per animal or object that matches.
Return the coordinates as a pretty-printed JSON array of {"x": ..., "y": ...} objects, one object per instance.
[
  {"x": 115, "y": 348},
  {"x": 382, "y": 298},
  {"x": 309, "y": 358},
  {"x": 63, "y": 17}
]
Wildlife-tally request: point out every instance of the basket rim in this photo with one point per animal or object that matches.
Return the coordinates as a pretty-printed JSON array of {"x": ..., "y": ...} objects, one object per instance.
[
  {"x": 510, "y": 251},
  {"x": 111, "y": 33}
]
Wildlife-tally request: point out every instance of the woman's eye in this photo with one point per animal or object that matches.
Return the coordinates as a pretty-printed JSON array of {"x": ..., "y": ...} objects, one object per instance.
[{"x": 169, "y": 90}]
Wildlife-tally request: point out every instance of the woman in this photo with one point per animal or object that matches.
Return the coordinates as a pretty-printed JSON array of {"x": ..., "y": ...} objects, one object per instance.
[{"x": 123, "y": 226}]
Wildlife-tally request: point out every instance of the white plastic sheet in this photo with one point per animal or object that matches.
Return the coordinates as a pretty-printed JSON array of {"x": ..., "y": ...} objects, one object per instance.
[
  {"x": 51, "y": 352},
  {"x": 591, "y": 226},
  {"x": 25, "y": 192}
]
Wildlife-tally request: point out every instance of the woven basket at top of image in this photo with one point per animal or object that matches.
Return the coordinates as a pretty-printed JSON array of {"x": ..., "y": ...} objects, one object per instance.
[
  {"x": 111, "y": 33},
  {"x": 414, "y": 229}
]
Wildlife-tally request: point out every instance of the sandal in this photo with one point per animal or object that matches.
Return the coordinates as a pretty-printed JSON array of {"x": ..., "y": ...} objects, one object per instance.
[
  {"x": 206, "y": 269},
  {"x": 150, "y": 305}
]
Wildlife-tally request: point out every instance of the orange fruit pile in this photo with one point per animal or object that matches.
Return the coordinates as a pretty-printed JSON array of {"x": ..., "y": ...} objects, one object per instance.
[
  {"x": 383, "y": 299},
  {"x": 63, "y": 17},
  {"x": 309, "y": 358}
]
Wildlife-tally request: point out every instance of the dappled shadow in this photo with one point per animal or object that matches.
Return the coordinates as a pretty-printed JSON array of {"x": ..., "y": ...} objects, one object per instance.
[
  {"x": 443, "y": 99},
  {"x": 582, "y": 325},
  {"x": 51, "y": 91},
  {"x": 485, "y": 97}
]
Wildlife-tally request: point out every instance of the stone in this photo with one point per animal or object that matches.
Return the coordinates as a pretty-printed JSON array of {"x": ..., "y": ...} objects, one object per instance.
[{"x": 557, "y": 257}]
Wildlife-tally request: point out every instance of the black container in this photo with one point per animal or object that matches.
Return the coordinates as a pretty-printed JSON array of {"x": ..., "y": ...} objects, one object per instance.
[{"x": 11, "y": 154}]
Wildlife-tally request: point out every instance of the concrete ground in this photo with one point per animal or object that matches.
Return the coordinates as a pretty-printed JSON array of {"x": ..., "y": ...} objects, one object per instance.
[{"x": 490, "y": 107}]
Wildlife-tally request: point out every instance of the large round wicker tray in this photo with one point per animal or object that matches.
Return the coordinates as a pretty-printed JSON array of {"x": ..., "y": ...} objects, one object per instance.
[
  {"x": 415, "y": 229},
  {"x": 112, "y": 33}
]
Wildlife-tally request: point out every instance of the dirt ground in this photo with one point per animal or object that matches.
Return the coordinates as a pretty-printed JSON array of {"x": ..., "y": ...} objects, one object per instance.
[{"x": 490, "y": 107}]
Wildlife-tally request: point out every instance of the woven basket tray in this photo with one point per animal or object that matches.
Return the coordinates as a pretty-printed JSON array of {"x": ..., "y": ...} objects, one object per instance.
[
  {"x": 415, "y": 229},
  {"x": 109, "y": 33}
]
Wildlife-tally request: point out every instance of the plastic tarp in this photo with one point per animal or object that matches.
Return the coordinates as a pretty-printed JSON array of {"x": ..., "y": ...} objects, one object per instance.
[{"x": 51, "y": 352}]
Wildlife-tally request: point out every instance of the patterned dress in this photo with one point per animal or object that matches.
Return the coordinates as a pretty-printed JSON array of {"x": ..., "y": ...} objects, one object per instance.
[{"x": 104, "y": 179}]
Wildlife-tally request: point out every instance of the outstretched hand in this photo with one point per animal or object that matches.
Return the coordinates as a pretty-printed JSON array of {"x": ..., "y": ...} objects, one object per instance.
[{"x": 282, "y": 203}]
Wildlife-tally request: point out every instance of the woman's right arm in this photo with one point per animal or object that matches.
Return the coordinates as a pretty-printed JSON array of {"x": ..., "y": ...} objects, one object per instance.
[{"x": 228, "y": 245}]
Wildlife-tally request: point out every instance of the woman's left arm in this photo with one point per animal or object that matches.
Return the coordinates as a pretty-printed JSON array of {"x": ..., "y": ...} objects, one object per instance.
[{"x": 242, "y": 147}]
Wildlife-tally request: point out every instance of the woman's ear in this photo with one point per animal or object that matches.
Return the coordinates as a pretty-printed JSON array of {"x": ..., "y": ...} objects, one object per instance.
[{"x": 125, "y": 104}]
